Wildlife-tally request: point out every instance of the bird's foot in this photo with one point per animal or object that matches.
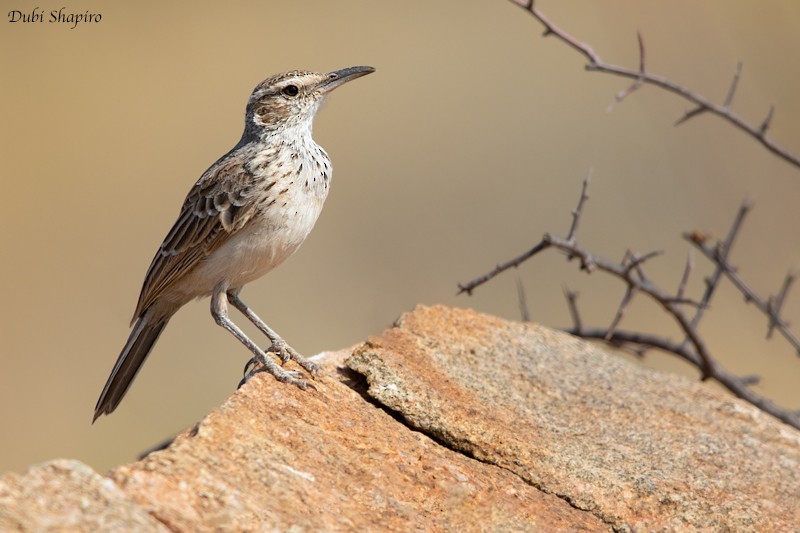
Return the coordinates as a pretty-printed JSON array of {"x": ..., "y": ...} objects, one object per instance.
[
  {"x": 256, "y": 365},
  {"x": 286, "y": 352}
]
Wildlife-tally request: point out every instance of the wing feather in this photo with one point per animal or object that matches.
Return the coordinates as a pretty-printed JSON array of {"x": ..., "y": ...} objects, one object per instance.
[{"x": 218, "y": 205}]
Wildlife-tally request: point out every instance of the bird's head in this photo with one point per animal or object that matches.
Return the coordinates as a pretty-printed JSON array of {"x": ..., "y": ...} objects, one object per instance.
[{"x": 292, "y": 98}]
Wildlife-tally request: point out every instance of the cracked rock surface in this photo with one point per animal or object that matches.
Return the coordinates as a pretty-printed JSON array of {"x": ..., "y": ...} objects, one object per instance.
[{"x": 449, "y": 421}]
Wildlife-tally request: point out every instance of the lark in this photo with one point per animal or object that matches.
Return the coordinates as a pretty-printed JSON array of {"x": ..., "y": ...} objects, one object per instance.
[{"x": 246, "y": 215}]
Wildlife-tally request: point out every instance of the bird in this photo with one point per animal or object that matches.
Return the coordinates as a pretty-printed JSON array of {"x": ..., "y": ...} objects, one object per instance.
[{"x": 244, "y": 216}]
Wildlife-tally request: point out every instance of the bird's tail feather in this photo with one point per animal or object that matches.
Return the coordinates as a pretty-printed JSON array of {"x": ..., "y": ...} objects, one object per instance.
[{"x": 141, "y": 340}]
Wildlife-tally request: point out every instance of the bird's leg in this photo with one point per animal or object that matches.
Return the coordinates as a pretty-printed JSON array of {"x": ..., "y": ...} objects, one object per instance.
[
  {"x": 219, "y": 310},
  {"x": 279, "y": 346}
]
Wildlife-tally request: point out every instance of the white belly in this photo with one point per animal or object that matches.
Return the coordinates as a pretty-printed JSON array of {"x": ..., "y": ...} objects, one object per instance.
[
  {"x": 263, "y": 244},
  {"x": 260, "y": 246}
]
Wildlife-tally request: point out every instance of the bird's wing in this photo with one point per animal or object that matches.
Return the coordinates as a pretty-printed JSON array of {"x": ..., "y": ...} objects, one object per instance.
[{"x": 219, "y": 204}]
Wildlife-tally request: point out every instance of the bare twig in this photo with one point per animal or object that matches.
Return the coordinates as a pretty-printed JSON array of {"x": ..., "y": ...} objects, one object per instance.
[
  {"x": 750, "y": 295},
  {"x": 767, "y": 121},
  {"x": 631, "y": 262},
  {"x": 647, "y": 287},
  {"x": 576, "y": 214},
  {"x": 589, "y": 263},
  {"x": 586, "y": 261},
  {"x": 734, "y": 83},
  {"x": 572, "y": 302},
  {"x": 722, "y": 251},
  {"x": 623, "y": 305},
  {"x": 502, "y": 267},
  {"x": 699, "y": 110},
  {"x": 634, "y": 262},
  {"x": 640, "y": 76},
  {"x": 523, "y": 302},
  {"x": 775, "y": 304},
  {"x": 687, "y": 271},
  {"x": 630, "y": 271},
  {"x": 636, "y": 84}
]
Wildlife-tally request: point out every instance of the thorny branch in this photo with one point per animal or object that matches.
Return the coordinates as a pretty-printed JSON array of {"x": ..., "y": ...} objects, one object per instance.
[
  {"x": 775, "y": 304},
  {"x": 722, "y": 251},
  {"x": 641, "y": 77},
  {"x": 769, "y": 306},
  {"x": 631, "y": 271}
]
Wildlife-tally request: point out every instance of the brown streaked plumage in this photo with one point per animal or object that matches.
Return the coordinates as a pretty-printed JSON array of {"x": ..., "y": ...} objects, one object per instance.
[{"x": 245, "y": 215}]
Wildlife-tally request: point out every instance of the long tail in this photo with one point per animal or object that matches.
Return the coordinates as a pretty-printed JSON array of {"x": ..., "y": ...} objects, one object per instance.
[{"x": 144, "y": 335}]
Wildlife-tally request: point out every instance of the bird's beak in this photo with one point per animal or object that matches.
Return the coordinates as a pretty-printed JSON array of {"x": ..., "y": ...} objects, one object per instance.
[{"x": 338, "y": 77}]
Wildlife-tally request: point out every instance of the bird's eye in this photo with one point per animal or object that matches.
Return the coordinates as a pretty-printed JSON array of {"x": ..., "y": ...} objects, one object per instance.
[{"x": 290, "y": 90}]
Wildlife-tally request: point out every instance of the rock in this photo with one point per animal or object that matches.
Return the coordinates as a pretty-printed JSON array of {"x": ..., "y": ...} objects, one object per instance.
[
  {"x": 450, "y": 421},
  {"x": 67, "y": 495},
  {"x": 640, "y": 450},
  {"x": 275, "y": 456}
]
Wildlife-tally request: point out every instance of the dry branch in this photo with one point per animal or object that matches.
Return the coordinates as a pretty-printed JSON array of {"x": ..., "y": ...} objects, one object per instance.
[
  {"x": 631, "y": 271},
  {"x": 769, "y": 306},
  {"x": 642, "y": 77}
]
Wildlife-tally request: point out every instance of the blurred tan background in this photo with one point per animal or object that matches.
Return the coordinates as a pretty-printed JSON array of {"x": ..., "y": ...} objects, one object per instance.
[{"x": 468, "y": 143}]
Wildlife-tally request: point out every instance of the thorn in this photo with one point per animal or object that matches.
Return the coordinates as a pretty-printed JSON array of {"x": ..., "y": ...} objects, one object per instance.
[
  {"x": 691, "y": 114},
  {"x": 750, "y": 380},
  {"x": 641, "y": 52},
  {"x": 687, "y": 270},
  {"x": 734, "y": 83},
  {"x": 767, "y": 121},
  {"x": 523, "y": 302}
]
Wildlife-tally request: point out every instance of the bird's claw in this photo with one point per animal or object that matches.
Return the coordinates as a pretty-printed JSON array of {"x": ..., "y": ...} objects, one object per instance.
[
  {"x": 255, "y": 365},
  {"x": 249, "y": 367},
  {"x": 282, "y": 350}
]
